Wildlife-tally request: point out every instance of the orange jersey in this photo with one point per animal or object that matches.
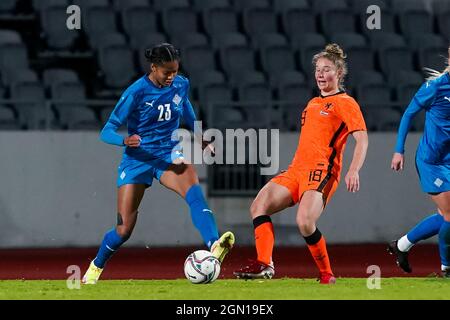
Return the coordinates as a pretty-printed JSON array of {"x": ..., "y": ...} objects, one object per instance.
[{"x": 326, "y": 124}]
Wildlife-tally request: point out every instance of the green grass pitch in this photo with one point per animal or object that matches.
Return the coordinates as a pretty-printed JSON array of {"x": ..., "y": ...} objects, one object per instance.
[{"x": 283, "y": 289}]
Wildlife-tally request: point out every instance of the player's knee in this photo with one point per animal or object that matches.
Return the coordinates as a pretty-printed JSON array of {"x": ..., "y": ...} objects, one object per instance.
[
  {"x": 306, "y": 225},
  {"x": 257, "y": 208},
  {"x": 124, "y": 232}
]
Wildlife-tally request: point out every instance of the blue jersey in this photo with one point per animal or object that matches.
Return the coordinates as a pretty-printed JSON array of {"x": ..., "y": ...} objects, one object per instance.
[
  {"x": 434, "y": 98},
  {"x": 151, "y": 112}
]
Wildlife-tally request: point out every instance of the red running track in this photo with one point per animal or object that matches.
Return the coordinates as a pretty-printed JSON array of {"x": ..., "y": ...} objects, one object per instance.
[{"x": 167, "y": 263}]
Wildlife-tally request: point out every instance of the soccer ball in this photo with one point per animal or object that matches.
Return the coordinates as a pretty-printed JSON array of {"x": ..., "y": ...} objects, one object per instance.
[{"x": 201, "y": 267}]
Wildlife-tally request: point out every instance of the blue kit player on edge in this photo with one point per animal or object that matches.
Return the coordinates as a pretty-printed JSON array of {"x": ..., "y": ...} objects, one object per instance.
[
  {"x": 433, "y": 167},
  {"x": 152, "y": 107}
]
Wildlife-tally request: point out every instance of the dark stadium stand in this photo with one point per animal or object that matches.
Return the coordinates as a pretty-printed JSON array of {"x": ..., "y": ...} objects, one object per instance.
[{"x": 241, "y": 56}]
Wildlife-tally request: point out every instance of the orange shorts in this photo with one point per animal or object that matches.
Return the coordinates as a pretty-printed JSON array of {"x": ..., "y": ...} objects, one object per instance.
[{"x": 299, "y": 181}]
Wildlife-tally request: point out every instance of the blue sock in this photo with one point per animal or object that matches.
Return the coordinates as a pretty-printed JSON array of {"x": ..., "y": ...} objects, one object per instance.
[
  {"x": 444, "y": 243},
  {"x": 426, "y": 228},
  {"x": 201, "y": 215},
  {"x": 111, "y": 242}
]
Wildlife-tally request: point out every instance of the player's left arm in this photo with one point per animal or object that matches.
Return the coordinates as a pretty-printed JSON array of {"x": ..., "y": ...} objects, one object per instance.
[
  {"x": 350, "y": 113},
  {"x": 359, "y": 155}
]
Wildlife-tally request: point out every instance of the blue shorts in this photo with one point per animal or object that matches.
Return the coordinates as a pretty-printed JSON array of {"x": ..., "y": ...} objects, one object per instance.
[
  {"x": 136, "y": 171},
  {"x": 434, "y": 178}
]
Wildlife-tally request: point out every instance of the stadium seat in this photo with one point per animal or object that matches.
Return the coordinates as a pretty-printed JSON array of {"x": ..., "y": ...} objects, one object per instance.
[
  {"x": 117, "y": 75},
  {"x": 236, "y": 59},
  {"x": 281, "y": 6},
  {"x": 201, "y": 5},
  {"x": 381, "y": 119},
  {"x": 294, "y": 20},
  {"x": 218, "y": 97},
  {"x": 197, "y": 58},
  {"x": 277, "y": 58},
  {"x": 52, "y": 77},
  {"x": 74, "y": 114},
  {"x": 384, "y": 40},
  {"x": 7, "y": 6},
  {"x": 407, "y": 5},
  {"x": 265, "y": 40},
  {"x": 440, "y": 6},
  {"x": 9, "y": 36},
  {"x": 12, "y": 77},
  {"x": 362, "y": 77},
  {"x": 286, "y": 77},
  {"x": 294, "y": 98},
  {"x": 30, "y": 104},
  {"x": 192, "y": 39},
  {"x": 179, "y": 21},
  {"x": 120, "y": 5},
  {"x": 444, "y": 24},
  {"x": 396, "y": 59},
  {"x": 260, "y": 21},
  {"x": 419, "y": 40},
  {"x": 161, "y": 5},
  {"x": 39, "y": 5},
  {"x": 338, "y": 21},
  {"x": 97, "y": 22},
  {"x": 57, "y": 36},
  {"x": 220, "y": 20},
  {"x": 415, "y": 21},
  {"x": 357, "y": 57},
  {"x": 302, "y": 41},
  {"x": 374, "y": 95},
  {"x": 250, "y": 4},
  {"x": 110, "y": 39},
  {"x": 13, "y": 56},
  {"x": 8, "y": 120},
  {"x": 201, "y": 78},
  {"x": 137, "y": 20},
  {"x": 348, "y": 40},
  {"x": 322, "y": 6},
  {"x": 255, "y": 100},
  {"x": 400, "y": 77},
  {"x": 224, "y": 40},
  {"x": 144, "y": 40},
  {"x": 251, "y": 77},
  {"x": 206, "y": 77}
]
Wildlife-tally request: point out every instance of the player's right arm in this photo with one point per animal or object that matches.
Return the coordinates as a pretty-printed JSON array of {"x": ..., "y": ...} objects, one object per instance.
[
  {"x": 422, "y": 99},
  {"x": 117, "y": 118}
]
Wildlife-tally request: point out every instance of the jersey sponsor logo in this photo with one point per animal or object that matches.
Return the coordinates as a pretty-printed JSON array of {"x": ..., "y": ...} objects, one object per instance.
[
  {"x": 447, "y": 98},
  {"x": 150, "y": 103},
  {"x": 176, "y": 99},
  {"x": 438, "y": 182}
]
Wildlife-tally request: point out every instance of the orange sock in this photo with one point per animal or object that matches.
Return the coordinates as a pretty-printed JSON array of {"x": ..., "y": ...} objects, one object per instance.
[
  {"x": 318, "y": 248},
  {"x": 264, "y": 238}
]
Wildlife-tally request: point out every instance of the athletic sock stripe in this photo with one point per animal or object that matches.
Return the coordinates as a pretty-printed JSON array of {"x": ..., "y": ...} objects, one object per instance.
[{"x": 261, "y": 220}]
